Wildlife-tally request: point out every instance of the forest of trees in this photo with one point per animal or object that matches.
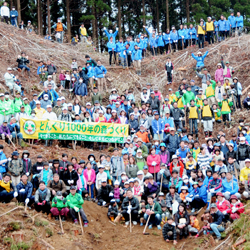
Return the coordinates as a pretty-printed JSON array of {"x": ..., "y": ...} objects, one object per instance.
[{"x": 128, "y": 15}]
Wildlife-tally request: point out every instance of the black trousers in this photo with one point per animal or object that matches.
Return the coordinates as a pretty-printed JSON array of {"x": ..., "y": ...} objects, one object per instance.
[
  {"x": 44, "y": 208},
  {"x": 129, "y": 60},
  {"x": 161, "y": 49},
  {"x": 74, "y": 214},
  {"x": 169, "y": 74},
  {"x": 210, "y": 36},
  {"x": 134, "y": 215},
  {"x": 154, "y": 51},
  {"x": 225, "y": 117},
  {"x": 111, "y": 54},
  {"x": 201, "y": 40},
  {"x": 197, "y": 203},
  {"x": 168, "y": 47},
  {"x": 238, "y": 104},
  {"x": 5, "y": 18}
]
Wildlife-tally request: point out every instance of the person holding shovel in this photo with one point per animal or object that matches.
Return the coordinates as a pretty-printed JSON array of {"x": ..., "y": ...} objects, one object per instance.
[{"x": 75, "y": 202}]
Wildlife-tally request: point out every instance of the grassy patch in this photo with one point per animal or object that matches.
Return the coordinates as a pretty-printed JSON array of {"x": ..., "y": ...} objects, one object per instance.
[{"x": 49, "y": 232}]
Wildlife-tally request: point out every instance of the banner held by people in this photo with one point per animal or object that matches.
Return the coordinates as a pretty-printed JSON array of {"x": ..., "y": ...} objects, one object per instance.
[{"x": 60, "y": 130}]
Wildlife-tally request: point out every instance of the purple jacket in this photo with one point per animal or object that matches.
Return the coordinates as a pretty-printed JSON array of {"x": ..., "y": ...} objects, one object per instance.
[
  {"x": 165, "y": 157},
  {"x": 4, "y": 130},
  {"x": 152, "y": 188},
  {"x": 117, "y": 193}
]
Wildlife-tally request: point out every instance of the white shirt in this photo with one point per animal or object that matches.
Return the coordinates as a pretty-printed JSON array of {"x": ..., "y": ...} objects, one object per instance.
[
  {"x": 9, "y": 78},
  {"x": 5, "y": 11},
  {"x": 50, "y": 116}
]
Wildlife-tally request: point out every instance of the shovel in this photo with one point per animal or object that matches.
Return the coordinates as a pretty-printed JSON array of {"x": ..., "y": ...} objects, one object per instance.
[
  {"x": 80, "y": 220},
  {"x": 62, "y": 232},
  {"x": 144, "y": 231}
]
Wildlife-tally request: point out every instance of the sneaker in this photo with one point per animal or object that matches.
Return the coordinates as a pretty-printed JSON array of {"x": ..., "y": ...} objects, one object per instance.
[
  {"x": 141, "y": 224},
  {"x": 126, "y": 223},
  {"x": 150, "y": 227},
  {"x": 63, "y": 218},
  {"x": 86, "y": 224},
  {"x": 134, "y": 223},
  {"x": 159, "y": 227},
  {"x": 75, "y": 221},
  {"x": 197, "y": 235},
  {"x": 217, "y": 240},
  {"x": 56, "y": 218}
]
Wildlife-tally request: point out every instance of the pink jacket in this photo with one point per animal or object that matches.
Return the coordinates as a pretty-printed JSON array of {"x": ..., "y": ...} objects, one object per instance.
[
  {"x": 79, "y": 183},
  {"x": 92, "y": 176},
  {"x": 151, "y": 168},
  {"x": 224, "y": 206},
  {"x": 62, "y": 77},
  {"x": 219, "y": 75}
]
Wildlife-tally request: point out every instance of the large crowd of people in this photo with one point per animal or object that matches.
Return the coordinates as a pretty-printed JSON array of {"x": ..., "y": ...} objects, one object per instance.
[{"x": 162, "y": 174}]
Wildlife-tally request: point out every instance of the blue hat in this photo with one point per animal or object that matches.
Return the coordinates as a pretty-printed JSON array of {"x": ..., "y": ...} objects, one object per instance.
[
  {"x": 145, "y": 167},
  {"x": 163, "y": 145},
  {"x": 192, "y": 81},
  {"x": 156, "y": 113},
  {"x": 82, "y": 162},
  {"x": 15, "y": 153}
]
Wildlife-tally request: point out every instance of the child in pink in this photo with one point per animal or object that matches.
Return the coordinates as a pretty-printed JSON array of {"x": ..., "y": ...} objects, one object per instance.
[
  {"x": 137, "y": 190},
  {"x": 117, "y": 191},
  {"x": 89, "y": 174}
]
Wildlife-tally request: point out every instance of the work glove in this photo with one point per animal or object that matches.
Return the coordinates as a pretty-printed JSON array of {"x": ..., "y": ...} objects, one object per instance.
[
  {"x": 224, "y": 212},
  {"x": 111, "y": 194},
  {"x": 64, "y": 201},
  {"x": 234, "y": 209},
  {"x": 129, "y": 207},
  {"x": 213, "y": 120},
  {"x": 189, "y": 199},
  {"x": 128, "y": 211},
  {"x": 104, "y": 203},
  {"x": 154, "y": 163},
  {"x": 69, "y": 181},
  {"x": 76, "y": 209},
  {"x": 104, "y": 28},
  {"x": 9, "y": 159},
  {"x": 27, "y": 173},
  {"x": 202, "y": 121},
  {"x": 44, "y": 202},
  {"x": 34, "y": 176},
  {"x": 15, "y": 194},
  {"x": 40, "y": 203},
  {"x": 22, "y": 190},
  {"x": 162, "y": 171},
  {"x": 212, "y": 190},
  {"x": 27, "y": 200}
]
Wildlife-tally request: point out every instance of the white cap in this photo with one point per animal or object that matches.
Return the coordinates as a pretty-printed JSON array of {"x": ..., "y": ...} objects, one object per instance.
[
  {"x": 100, "y": 112},
  {"x": 242, "y": 138},
  {"x": 104, "y": 180},
  {"x": 62, "y": 98},
  {"x": 9, "y": 68},
  {"x": 174, "y": 157},
  {"x": 199, "y": 53},
  {"x": 49, "y": 106},
  {"x": 59, "y": 99},
  {"x": 139, "y": 151},
  {"x": 38, "y": 102},
  {"x": 64, "y": 108},
  {"x": 101, "y": 166},
  {"x": 131, "y": 180},
  {"x": 70, "y": 105},
  {"x": 113, "y": 111},
  {"x": 171, "y": 129},
  {"x": 1, "y": 94},
  {"x": 140, "y": 172},
  {"x": 49, "y": 76},
  {"x": 117, "y": 182},
  {"x": 184, "y": 177},
  {"x": 247, "y": 160},
  {"x": 25, "y": 98},
  {"x": 88, "y": 104}
]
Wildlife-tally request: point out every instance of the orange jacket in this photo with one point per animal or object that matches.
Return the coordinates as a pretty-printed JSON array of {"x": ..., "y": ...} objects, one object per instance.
[
  {"x": 143, "y": 136},
  {"x": 195, "y": 224},
  {"x": 183, "y": 196}
]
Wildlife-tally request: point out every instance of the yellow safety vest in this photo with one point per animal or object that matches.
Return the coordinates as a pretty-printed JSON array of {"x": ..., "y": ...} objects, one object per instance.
[
  {"x": 83, "y": 31},
  {"x": 193, "y": 114},
  {"x": 206, "y": 111},
  {"x": 200, "y": 30},
  {"x": 210, "y": 91},
  {"x": 210, "y": 26},
  {"x": 225, "y": 106}
]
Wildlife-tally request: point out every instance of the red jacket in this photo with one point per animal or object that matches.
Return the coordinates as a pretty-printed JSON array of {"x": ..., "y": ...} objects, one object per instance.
[
  {"x": 151, "y": 168},
  {"x": 104, "y": 119},
  {"x": 238, "y": 205},
  {"x": 111, "y": 120},
  {"x": 224, "y": 206},
  {"x": 179, "y": 164}
]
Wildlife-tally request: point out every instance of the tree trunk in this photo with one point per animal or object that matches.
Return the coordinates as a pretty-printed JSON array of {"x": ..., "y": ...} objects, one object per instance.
[
  {"x": 157, "y": 16},
  {"x": 39, "y": 18},
  {"x": 143, "y": 12},
  {"x": 94, "y": 28},
  {"x": 19, "y": 11},
  {"x": 68, "y": 20},
  {"x": 119, "y": 18},
  {"x": 48, "y": 13},
  {"x": 187, "y": 11},
  {"x": 167, "y": 15}
]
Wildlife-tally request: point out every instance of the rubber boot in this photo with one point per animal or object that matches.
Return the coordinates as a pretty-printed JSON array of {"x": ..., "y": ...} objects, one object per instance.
[
  {"x": 210, "y": 134},
  {"x": 206, "y": 134}
]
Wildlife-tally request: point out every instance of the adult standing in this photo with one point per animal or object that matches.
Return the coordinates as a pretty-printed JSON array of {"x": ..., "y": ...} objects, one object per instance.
[
  {"x": 5, "y": 13},
  {"x": 52, "y": 70},
  {"x": 59, "y": 28},
  {"x": 83, "y": 33},
  {"x": 13, "y": 16}
]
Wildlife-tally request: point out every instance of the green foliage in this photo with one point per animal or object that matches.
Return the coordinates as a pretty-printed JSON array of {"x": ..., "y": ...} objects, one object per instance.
[
  {"x": 49, "y": 232},
  {"x": 15, "y": 225},
  {"x": 41, "y": 223}
]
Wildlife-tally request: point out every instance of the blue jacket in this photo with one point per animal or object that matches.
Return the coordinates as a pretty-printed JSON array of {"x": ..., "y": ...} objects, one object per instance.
[
  {"x": 136, "y": 55},
  {"x": 28, "y": 188},
  {"x": 222, "y": 25},
  {"x": 131, "y": 46},
  {"x": 99, "y": 71},
  {"x": 206, "y": 181},
  {"x": 227, "y": 25},
  {"x": 232, "y": 21},
  {"x": 166, "y": 38},
  {"x": 172, "y": 142},
  {"x": 181, "y": 33},
  {"x": 194, "y": 34},
  {"x": 239, "y": 21},
  {"x": 174, "y": 36},
  {"x": 185, "y": 33},
  {"x": 235, "y": 144},
  {"x": 182, "y": 153},
  {"x": 149, "y": 33},
  {"x": 3, "y": 167},
  {"x": 39, "y": 70},
  {"x": 203, "y": 193},
  {"x": 169, "y": 120},
  {"x": 193, "y": 193},
  {"x": 215, "y": 26},
  {"x": 111, "y": 46},
  {"x": 109, "y": 35},
  {"x": 54, "y": 94},
  {"x": 200, "y": 59},
  {"x": 140, "y": 45},
  {"x": 218, "y": 169},
  {"x": 158, "y": 126},
  {"x": 160, "y": 41},
  {"x": 239, "y": 88},
  {"x": 119, "y": 46},
  {"x": 153, "y": 42},
  {"x": 33, "y": 104},
  {"x": 227, "y": 187},
  {"x": 13, "y": 13},
  {"x": 81, "y": 89},
  {"x": 144, "y": 43},
  {"x": 91, "y": 71}
]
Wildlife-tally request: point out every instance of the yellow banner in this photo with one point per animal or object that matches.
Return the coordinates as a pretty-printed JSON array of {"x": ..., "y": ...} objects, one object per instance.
[{"x": 79, "y": 131}]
